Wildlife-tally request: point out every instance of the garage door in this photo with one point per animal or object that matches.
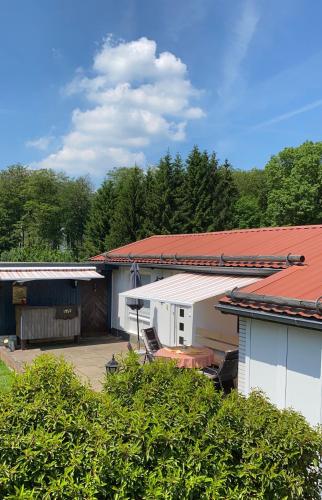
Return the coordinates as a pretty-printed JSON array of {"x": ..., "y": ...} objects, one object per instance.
[
  {"x": 303, "y": 378},
  {"x": 267, "y": 370},
  {"x": 285, "y": 363}
]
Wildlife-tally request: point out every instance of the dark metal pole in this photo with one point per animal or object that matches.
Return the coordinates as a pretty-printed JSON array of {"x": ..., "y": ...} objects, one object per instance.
[{"x": 138, "y": 327}]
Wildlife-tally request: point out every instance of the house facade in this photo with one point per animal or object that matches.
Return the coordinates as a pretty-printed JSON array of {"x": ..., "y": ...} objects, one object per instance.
[{"x": 276, "y": 318}]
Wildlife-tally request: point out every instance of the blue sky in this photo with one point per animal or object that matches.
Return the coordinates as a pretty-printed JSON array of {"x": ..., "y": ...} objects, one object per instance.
[{"x": 89, "y": 85}]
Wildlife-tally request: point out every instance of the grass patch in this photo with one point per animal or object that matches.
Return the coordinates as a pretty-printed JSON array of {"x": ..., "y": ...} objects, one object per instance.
[{"x": 6, "y": 377}]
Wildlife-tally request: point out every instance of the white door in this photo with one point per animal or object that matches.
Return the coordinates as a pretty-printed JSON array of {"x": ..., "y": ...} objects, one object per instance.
[
  {"x": 267, "y": 356},
  {"x": 303, "y": 377},
  {"x": 161, "y": 319},
  {"x": 182, "y": 321},
  {"x": 285, "y": 362}
]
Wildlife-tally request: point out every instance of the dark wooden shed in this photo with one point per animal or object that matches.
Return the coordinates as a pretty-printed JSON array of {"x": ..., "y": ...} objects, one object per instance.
[{"x": 53, "y": 301}]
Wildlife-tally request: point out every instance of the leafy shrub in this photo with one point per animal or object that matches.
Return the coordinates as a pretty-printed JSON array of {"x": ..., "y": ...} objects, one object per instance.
[
  {"x": 36, "y": 253},
  {"x": 155, "y": 432}
]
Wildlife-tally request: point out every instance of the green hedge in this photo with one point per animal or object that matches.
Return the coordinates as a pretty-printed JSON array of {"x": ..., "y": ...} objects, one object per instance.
[
  {"x": 155, "y": 432},
  {"x": 6, "y": 377}
]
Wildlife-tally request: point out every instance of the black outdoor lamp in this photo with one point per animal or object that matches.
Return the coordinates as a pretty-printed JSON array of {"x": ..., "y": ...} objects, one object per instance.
[{"x": 112, "y": 366}]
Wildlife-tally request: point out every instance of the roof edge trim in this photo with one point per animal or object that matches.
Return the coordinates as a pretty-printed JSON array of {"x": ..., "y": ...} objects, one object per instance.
[
  {"x": 311, "y": 305},
  {"x": 266, "y": 316},
  {"x": 237, "y": 271}
]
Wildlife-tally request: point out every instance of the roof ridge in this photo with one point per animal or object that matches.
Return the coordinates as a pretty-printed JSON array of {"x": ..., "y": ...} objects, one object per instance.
[
  {"x": 127, "y": 245},
  {"x": 248, "y": 230}
]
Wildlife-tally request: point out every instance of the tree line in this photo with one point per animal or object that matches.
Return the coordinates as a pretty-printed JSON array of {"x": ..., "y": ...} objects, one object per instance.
[{"x": 46, "y": 215}]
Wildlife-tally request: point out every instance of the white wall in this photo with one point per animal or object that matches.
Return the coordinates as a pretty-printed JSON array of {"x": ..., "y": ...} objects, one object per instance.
[
  {"x": 214, "y": 329},
  {"x": 208, "y": 317},
  {"x": 165, "y": 317},
  {"x": 122, "y": 318},
  {"x": 285, "y": 362}
]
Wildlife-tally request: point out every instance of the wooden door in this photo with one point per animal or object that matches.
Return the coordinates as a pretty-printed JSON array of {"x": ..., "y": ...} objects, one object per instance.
[{"x": 94, "y": 305}]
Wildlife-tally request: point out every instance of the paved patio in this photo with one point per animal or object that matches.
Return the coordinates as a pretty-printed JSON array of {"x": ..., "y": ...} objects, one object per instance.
[{"x": 88, "y": 357}]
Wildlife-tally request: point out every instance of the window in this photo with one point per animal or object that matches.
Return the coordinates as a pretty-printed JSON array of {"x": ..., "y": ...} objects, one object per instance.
[
  {"x": 181, "y": 327},
  {"x": 181, "y": 340},
  {"x": 145, "y": 280},
  {"x": 145, "y": 310},
  {"x": 181, "y": 313}
]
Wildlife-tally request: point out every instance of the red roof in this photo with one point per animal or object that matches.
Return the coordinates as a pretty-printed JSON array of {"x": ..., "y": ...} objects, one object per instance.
[
  {"x": 263, "y": 241},
  {"x": 302, "y": 282}
]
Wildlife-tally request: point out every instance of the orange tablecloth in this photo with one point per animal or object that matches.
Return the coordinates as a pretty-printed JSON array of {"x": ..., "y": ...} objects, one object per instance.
[{"x": 192, "y": 357}]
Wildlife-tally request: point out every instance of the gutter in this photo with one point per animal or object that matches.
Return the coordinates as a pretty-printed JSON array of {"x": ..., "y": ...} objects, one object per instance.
[
  {"x": 310, "y": 305},
  {"x": 4, "y": 265},
  {"x": 235, "y": 271},
  {"x": 266, "y": 316},
  {"x": 286, "y": 259}
]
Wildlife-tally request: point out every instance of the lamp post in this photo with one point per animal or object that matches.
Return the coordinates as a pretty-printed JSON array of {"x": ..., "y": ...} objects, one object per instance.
[{"x": 112, "y": 366}]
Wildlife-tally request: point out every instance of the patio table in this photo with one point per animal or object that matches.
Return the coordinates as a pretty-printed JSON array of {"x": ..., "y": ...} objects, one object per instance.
[{"x": 190, "y": 357}]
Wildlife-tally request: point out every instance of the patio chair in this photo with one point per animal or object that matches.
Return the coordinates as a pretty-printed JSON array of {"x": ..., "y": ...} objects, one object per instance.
[
  {"x": 151, "y": 342},
  {"x": 227, "y": 371}
]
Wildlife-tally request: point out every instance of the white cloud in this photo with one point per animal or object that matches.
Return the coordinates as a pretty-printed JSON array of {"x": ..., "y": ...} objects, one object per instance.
[
  {"x": 41, "y": 143},
  {"x": 134, "y": 97},
  {"x": 290, "y": 114},
  {"x": 242, "y": 35}
]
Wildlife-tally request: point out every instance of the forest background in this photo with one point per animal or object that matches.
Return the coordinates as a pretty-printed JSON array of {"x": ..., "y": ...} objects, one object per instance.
[{"x": 48, "y": 216}]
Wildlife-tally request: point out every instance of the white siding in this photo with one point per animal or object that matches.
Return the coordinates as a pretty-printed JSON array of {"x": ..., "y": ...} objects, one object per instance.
[
  {"x": 285, "y": 362},
  {"x": 268, "y": 348},
  {"x": 304, "y": 372},
  {"x": 243, "y": 327}
]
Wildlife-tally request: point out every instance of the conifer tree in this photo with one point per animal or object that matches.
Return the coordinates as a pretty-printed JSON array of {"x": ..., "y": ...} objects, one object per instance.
[
  {"x": 190, "y": 200},
  {"x": 164, "y": 194},
  {"x": 226, "y": 196},
  {"x": 177, "y": 218},
  {"x": 150, "y": 224},
  {"x": 205, "y": 213},
  {"x": 200, "y": 191},
  {"x": 164, "y": 188},
  {"x": 128, "y": 215},
  {"x": 98, "y": 225}
]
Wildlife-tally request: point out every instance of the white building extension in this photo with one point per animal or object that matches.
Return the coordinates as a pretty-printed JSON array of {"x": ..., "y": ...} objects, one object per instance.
[
  {"x": 181, "y": 308},
  {"x": 285, "y": 362}
]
